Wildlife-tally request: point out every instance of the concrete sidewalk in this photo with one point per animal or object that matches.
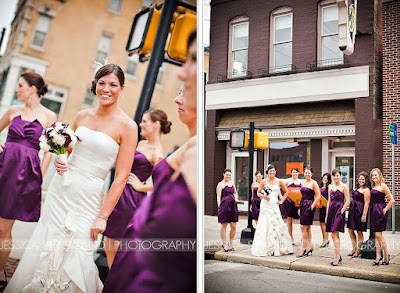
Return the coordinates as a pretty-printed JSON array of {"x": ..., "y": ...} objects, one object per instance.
[{"x": 320, "y": 260}]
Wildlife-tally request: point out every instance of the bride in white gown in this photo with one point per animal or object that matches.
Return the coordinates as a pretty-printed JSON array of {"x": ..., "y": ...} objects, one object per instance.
[
  {"x": 272, "y": 236},
  {"x": 59, "y": 257}
]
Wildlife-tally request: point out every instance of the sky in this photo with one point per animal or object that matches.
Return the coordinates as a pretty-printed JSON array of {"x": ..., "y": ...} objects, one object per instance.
[{"x": 7, "y": 10}]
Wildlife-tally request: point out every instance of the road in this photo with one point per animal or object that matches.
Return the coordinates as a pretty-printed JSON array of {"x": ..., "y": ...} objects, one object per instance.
[{"x": 221, "y": 277}]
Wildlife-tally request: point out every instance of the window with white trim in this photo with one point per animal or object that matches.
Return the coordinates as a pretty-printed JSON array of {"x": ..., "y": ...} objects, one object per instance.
[
  {"x": 238, "y": 46},
  {"x": 329, "y": 52},
  {"x": 41, "y": 30},
  {"x": 115, "y": 5},
  {"x": 89, "y": 99},
  {"x": 55, "y": 99},
  {"x": 282, "y": 39},
  {"x": 132, "y": 65},
  {"x": 103, "y": 48}
]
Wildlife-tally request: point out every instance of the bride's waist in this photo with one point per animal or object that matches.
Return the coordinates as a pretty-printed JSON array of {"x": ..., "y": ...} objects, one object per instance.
[{"x": 88, "y": 167}]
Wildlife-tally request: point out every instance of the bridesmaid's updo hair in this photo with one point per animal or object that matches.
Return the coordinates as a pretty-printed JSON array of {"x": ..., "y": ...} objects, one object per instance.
[
  {"x": 106, "y": 70},
  {"x": 192, "y": 37},
  {"x": 36, "y": 80},
  {"x": 227, "y": 170},
  {"x": 296, "y": 169},
  {"x": 329, "y": 180},
  {"x": 366, "y": 177},
  {"x": 335, "y": 171},
  {"x": 308, "y": 168},
  {"x": 258, "y": 172},
  {"x": 161, "y": 116},
  {"x": 269, "y": 167}
]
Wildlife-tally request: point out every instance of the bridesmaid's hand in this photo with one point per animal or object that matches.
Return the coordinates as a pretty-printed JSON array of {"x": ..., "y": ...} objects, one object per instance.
[
  {"x": 98, "y": 227},
  {"x": 312, "y": 207},
  {"x": 279, "y": 202},
  {"x": 134, "y": 181},
  {"x": 61, "y": 166},
  {"x": 342, "y": 211},
  {"x": 2, "y": 146},
  {"x": 363, "y": 219},
  {"x": 384, "y": 212}
]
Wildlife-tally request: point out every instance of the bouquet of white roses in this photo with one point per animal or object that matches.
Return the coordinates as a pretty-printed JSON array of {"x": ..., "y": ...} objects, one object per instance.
[{"x": 58, "y": 139}]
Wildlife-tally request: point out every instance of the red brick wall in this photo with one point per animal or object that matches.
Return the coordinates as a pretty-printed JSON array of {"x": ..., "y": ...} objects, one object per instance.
[{"x": 391, "y": 90}]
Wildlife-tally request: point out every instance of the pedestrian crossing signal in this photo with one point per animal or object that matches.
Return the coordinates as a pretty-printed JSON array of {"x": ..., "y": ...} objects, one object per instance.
[{"x": 261, "y": 140}]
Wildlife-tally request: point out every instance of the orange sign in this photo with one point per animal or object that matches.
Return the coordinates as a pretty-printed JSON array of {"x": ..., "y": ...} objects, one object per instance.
[
  {"x": 291, "y": 165},
  {"x": 295, "y": 195}
]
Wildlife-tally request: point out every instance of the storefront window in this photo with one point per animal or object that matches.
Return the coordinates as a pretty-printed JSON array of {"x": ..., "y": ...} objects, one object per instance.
[{"x": 285, "y": 155}]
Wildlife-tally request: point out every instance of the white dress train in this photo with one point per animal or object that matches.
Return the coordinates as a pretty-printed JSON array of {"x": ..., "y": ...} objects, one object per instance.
[
  {"x": 272, "y": 236},
  {"x": 59, "y": 256}
]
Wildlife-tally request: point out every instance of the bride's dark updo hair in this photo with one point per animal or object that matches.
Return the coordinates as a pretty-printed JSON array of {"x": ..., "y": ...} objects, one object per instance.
[
  {"x": 161, "y": 116},
  {"x": 36, "y": 80},
  {"x": 106, "y": 70}
]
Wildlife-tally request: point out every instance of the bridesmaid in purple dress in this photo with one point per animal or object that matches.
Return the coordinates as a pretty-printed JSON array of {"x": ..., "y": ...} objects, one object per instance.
[
  {"x": 147, "y": 154},
  {"x": 335, "y": 219},
  {"x": 20, "y": 170},
  {"x": 255, "y": 200},
  {"x": 326, "y": 181},
  {"x": 378, "y": 213},
  {"x": 309, "y": 190},
  {"x": 168, "y": 215},
  {"x": 357, "y": 219},
  {"x": 288, "y": 207},
  {"x": 227, "y": 208}
]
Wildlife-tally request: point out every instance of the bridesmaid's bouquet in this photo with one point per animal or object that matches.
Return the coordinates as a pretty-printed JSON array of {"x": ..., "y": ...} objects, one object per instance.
[{"x": 58, "y": 139}]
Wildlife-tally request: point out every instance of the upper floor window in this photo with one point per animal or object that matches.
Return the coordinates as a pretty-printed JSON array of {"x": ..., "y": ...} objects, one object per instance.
[
  {"x": 239, "y": 46},
  {"x": 41, "y": 30},
  {"x": 115, "y": 5},
  {"x": 281, "y": 33},
  {"x": 328, "y": 53},
  {"x": 89, "y": 99},
  {"x": 103, "y": 48},
  {"x": 132, "y": 65},
  {"x": 55, "y": 99}
]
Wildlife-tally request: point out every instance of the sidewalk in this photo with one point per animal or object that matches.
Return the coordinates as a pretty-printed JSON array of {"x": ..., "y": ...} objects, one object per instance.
[{"x": 320, "y": 260}]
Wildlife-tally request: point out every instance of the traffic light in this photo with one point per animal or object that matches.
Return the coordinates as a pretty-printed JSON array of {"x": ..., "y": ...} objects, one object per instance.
[
  {"x": 261, "y": 140},
  {"x": 347, "y": 10},
  {"x": 143, "y": 31},
  {"x": 237, "y": 139},
  {"x": 184, "y": 25}
]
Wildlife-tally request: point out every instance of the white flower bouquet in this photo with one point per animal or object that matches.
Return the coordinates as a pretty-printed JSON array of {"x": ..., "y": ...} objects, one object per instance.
[{"x": 58, "y": 139}]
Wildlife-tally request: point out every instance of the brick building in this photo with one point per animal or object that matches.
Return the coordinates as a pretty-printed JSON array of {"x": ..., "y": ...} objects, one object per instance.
[
  {"x": 277, "y": 63},
  {"x": 391, "y": 93}
]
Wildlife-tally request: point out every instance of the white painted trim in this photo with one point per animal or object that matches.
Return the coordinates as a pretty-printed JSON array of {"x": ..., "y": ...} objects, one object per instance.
[
  {"x": 335, "y": 84},
  {"x": 325, "y": 154},
  {"x": 302, "y": 132}
]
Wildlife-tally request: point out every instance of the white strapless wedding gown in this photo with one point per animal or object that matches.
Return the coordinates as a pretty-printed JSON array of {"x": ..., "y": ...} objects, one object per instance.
[
  {"x": 59, "y": 257},
  {"x": 272, "y": 236}
]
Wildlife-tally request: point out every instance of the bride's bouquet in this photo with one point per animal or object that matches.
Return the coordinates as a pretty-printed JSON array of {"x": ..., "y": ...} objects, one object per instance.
[{"x": 58, "y": 139}]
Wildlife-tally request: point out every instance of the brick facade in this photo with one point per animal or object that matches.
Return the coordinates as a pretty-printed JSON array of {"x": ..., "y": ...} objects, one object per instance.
[{"x": 391, "y": 90}]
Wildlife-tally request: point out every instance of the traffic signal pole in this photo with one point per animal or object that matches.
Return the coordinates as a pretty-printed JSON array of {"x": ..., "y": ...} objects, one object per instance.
[
  {"x": 156, "y": 58},
  {"x": 248, "y": 233}
]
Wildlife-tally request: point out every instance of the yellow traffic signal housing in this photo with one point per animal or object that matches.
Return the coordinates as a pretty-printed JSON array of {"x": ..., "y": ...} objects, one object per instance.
[
  {"x": 143, "y": 31},
  {"x": 261, "y": 140},
  {"x": 184, "y": 25}
]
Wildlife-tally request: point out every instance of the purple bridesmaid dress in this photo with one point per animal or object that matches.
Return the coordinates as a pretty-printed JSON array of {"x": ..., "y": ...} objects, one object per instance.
[
  {"x": 168, "y": 215},
  {"x": 130, "y": 199},
  {"x": 20, "y": 173},
  {"x": 255, "y": 204},
  {"x": 288, "y": 208},
  {"x": 228, "y": 211},
  {"x": 335, "y": 220},
  {"x": 378, "y": 220},
  {"x": 307, "y": 199},
  {"x": 322, "y": 210},
  {"x": 356, "y": 211}
]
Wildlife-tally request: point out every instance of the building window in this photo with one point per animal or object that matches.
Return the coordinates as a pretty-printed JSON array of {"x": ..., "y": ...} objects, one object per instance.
[
  {"x": 161, "y": 75},
  {"x": 89, "y": 99},
  {"x": 239, "y": 46},
  {"x": 132, "y": 65},
  {"x": 115, "y": 5},
  {"x": 328, "y": 53},
  {"x": 55, "y": 99},
  {"x": 281, "y": 33},
  {"x": 146, "y": 3},
  {"x": 41, "y": 30},
  {"x": 103, "y": 48}
]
